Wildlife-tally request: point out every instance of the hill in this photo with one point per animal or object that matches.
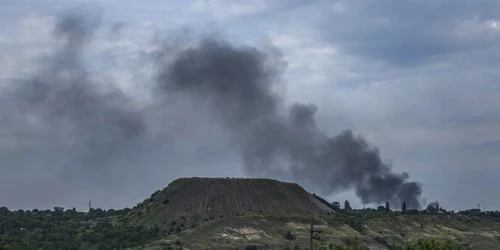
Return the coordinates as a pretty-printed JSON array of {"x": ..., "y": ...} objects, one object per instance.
[
  {"x": 187, "y": 202},
  {"x": 235, "y": 213}
]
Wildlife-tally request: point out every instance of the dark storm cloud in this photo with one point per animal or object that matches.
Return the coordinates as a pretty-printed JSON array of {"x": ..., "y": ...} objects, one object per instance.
[
  {"x": 407, "y": 33},
  {"x": 236, "y": 83}
]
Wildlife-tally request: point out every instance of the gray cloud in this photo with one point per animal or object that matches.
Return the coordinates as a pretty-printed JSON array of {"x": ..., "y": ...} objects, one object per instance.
[
  {"x": 62, "y": 96},
  {"x": 427, "y": 116},
  {"x": 93, "y": 128},
  {"x": 116, "y": 30},
  {"x": 420, "y": 81},
  {"x": 75, "y": 135},
  {"x": 411, "y": 32},
  {"x": 65, "y": 122}
]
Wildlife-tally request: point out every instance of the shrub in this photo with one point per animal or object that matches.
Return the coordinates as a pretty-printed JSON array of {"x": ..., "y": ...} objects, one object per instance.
[{"x": 289, "y": 236}]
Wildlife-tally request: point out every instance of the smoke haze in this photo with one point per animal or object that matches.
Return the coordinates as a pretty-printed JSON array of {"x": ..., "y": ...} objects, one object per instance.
[
  {"x": 62, "y": 109},
  {"x": 65, "y": 118}
]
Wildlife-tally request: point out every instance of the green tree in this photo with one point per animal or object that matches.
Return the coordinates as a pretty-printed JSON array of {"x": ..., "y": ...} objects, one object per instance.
[
  {"x": 387, "y": 208},
  {"x": 336, "y": 206},
  {"x": 58, "y": 210},
  {"x": 347, "y": 205},
  {"x": 4, "y": 211}
]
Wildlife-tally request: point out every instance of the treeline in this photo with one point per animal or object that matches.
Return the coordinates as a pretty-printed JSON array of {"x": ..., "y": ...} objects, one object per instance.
[
  {"x": 69, "y": 229},
  {"x": 432, "y": 208},
  {"x": 92, "y": 213},
  {"x": 356, "y": 218}
]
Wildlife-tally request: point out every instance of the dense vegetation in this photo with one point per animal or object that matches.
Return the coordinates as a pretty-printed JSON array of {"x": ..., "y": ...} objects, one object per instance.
[
  {"x": 354, "y": 217},
  {"x": 59, "y": 229}
]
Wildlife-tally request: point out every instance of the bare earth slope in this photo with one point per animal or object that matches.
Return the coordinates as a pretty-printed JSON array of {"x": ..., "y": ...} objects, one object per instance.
[
  {"x": 192, "y": 200},
  {"x": 268, "y": 232}
]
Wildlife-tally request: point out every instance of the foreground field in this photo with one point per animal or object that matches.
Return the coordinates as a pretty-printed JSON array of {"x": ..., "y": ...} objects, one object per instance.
[{"x": 292, "y": 232}]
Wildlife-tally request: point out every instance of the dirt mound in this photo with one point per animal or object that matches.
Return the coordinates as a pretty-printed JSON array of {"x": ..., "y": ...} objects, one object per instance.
[{"x": 188, "y": 201}]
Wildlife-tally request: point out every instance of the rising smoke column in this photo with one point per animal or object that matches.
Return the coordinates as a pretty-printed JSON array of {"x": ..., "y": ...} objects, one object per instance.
[{"x": 236, "y": 83}]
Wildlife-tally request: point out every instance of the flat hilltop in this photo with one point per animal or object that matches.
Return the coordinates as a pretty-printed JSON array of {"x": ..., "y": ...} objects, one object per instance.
[{"x": 189, "y": 201}]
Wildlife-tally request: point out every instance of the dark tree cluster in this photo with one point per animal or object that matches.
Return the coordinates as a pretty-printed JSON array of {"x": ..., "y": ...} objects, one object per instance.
[
  {"x": 432, "y": 208},
  {"x": 68, "y": 229},
  {"x": 355, "y": 218}
]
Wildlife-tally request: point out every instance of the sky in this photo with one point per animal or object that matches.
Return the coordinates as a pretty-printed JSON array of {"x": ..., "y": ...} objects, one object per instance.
[{"x": 417, "y": 79}]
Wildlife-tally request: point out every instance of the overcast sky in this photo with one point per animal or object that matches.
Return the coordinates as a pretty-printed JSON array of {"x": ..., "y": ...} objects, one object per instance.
[{"x": 418, "y": 79}]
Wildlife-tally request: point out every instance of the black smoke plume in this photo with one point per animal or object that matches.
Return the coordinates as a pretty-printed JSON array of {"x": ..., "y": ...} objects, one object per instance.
[{"x": 237, "y": 84}]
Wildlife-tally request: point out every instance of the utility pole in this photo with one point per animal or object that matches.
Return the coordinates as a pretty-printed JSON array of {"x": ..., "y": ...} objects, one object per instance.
[{"x": 313, "y": 235}]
